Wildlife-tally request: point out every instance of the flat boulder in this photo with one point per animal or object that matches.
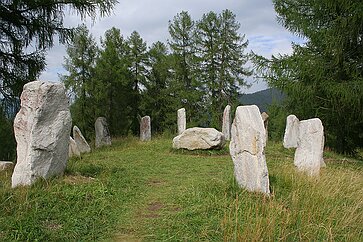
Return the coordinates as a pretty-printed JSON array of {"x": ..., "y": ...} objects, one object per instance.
[
  {"x": 5, "y": 165},
  {"x": 103, "y": 137},
  {"x": 80, "y": 141},
  {"x": 199, "y": 139},
  {"x": 42, "y": 127},
  {"x": 248, "y": 140}
]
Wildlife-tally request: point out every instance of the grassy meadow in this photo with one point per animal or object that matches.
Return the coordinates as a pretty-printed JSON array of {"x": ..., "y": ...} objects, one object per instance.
[{"x": 135, "y": 191}]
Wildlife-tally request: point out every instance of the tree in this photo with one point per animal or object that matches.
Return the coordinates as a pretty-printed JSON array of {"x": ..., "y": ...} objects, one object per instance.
[
  {"x": 187, "y": 89},
  {"x": 157, "y": 101},
  {"x": 221, "y": 51},
  {"x": 114, "y": 83},
  {"x": 138, "y": 58},
  {"x": 323, "y": 77},
  {"x": 27, "y": 30},
  {"x": 80, "y": 63}
]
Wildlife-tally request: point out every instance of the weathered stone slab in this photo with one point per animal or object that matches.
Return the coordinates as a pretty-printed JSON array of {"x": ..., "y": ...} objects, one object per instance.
[
  {"x": 42, "y": 128},
  {"x": 226, "y": 124},
  {"x": 199, "y": 139},
  {"x": 182, "y": 123},
  {"x": 103, "y": 137},
  {"x": 73, "y": 148},
  {"x": 247, "y": 149},
  {"x": 265, "y": 117},
  {"x": 81, "y": 142},
  {"x": 291, "y": 132},
  {"x": 4, "y": 165},
  {"x": 310, "y": 146},
  {"x": 145, "y": 129}
]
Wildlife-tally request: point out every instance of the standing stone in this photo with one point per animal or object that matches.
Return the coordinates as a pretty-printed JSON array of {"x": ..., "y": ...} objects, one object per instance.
[
  {"x": 182, "y": 123},
  {"x": 199, "y": 139},
  {"x": 226, "y": 125},
  {"x": 73, "y": 148},
  {"x": 145, "y": 129},
  {"x": 291, "y": 132},
  {"x": 265, "y": 117},
  {"x": 247, "y": 149},
  {"x": 41, "y": 128},
  {"x": 310, "y": 146},
  {"x": 103, "y": 137},
  {"x": 81, "y": 142},
  {"x": 4, "y": 165}
]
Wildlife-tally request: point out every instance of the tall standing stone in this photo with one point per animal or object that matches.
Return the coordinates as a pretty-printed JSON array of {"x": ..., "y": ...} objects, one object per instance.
[
  {"x": 265, "y": 117},
  {"x": 182, "y": 123},
  {"x": 81, "y": 142},
  {"x": 42, "y": 127},
  {"x": 291, "y": 132},
  {"x": 226, "y": 124},
  {"x": 310, "y": 146},
  {"x": 145, "y": 129},
  {"x": 103, "y": 137},
  {"x": 247, "y": 149}
]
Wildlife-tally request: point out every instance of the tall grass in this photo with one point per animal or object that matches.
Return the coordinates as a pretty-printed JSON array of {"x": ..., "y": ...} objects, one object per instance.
[{"x": 147, "y": 191}]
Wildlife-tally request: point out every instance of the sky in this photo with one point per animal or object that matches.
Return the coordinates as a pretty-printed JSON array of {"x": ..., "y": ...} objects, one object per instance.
[{"x": 150, "y": 18}]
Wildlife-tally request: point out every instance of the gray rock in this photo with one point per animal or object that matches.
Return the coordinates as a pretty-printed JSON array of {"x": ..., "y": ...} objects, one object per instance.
[
  {"x": 103, "y": 137},
  {"x": 4, "y": 165},
  {"x": 199, "y": 139},
  {"x": 42, "y": 127},
  {"x": 81, "y": 142},
  {"x": 226, "y": 124},
  {"x": 73, "y": 148},
  {"x": 265, "y": 117},
  {"x": 145, "y": 129},
  {"x": 291, "y": 132},
  {"x": 247, "y": 149},
  {"x": 310, "y": 146},
  {"x": 182, "y": 123}
]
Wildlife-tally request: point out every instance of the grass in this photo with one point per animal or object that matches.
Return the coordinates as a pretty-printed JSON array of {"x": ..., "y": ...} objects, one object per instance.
[{"x": 136, "y": 191}]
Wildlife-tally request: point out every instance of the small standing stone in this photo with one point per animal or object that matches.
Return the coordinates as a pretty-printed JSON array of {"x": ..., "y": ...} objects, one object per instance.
[
  {"x": 226, "y": 124},
  {"x": 145, "y": 129},
  {"x": 291, "y": 132},
  {"x": 73, "y": 148},
  {"x": 41, "y": 128},
  {"x": 247, "y": 149},
  {"x": 81, "y": 142},
  {"x": 103, "y": 137},
  {"x": 265, "y": 117},
  {"x": 310, "y": 146},
  {"x": 182, "y": 123}
]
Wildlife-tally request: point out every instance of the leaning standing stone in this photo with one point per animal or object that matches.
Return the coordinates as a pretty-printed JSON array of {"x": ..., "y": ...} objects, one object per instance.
[
  {"x": 291, "y": 132},
  {"x": 41, "y": 128},
  {"x": 103, "y": 137},
  {"x": 73, "y": 148},
  {"x": 226, "y": 124},
  {"x": 145, "y": 129},
  {"x": 247, "y": 149},
  {"x": 81, "y": 142},
  {"x": 309, "y": 152},
  {"x": 182, "y": 124}
]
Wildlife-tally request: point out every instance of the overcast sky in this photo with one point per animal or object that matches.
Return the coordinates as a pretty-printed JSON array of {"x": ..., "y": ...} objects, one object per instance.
[{"x": 150, "y": 18}]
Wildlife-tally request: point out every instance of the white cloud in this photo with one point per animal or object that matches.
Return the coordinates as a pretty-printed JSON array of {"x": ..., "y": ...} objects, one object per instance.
[{"x": 150, "y": 18}]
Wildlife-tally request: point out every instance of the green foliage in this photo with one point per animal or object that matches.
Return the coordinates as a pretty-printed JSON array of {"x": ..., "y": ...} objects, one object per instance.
[
  {"x": 324, "y": 77},
  {"x": 8, "y": 145},
  {"x": 27, "y": 30},
  {"x": 145, "y": 191},
  {"x": 80, "y": 83}
]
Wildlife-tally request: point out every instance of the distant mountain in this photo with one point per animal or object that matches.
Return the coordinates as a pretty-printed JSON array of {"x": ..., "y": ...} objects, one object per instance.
[{"x": 262, "y": 98}]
